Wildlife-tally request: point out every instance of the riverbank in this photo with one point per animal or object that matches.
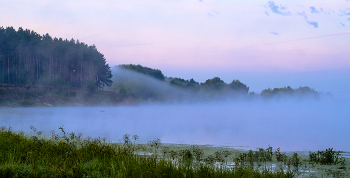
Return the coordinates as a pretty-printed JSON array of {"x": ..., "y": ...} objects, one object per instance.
[
  {"x": 25, "y": 96},
  {"x": 69, "y": 154}
]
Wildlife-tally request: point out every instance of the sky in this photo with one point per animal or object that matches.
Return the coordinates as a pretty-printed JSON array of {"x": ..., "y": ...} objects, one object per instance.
[{"x": 260, "y": 42}]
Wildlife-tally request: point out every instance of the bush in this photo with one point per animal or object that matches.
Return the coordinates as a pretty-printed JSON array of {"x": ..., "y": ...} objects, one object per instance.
[{"x": 327, "y": 157}]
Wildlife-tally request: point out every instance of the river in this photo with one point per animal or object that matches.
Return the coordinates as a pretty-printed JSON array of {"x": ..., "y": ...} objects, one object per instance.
[{"x": 290, "y": 125}]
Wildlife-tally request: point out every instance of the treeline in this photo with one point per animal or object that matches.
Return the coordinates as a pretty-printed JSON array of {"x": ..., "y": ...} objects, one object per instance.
[
  {"x": 144, "y": 89},
  {"x": 211, "y": 85},
  {"x": 155, "y": 73},
  {"x": 288, "y": 91},
  {"x": 28, "y": 58}
]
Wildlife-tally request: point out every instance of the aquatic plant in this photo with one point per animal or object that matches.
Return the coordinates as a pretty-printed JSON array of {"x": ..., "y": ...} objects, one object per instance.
[
  {"x": 295, "y": 161},
  {"x": 327, "y": 157},
  {"x": 280, "y": 156},
  {"x": 68, "y": 155}
]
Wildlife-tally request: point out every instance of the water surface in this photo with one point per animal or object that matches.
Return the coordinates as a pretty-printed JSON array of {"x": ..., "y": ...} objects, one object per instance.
[{"x": 290, "y": 125}]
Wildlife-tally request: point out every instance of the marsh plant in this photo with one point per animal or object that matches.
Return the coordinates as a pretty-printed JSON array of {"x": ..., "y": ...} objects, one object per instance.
[
  {"x": 294, "y": 161},
  {"x": 197, "y": 152},
  {"x": 69, "y": 155},
  {"x": 281, "y": 157},
  {"x": 261, "y": 156},
  {"x": 327, "y": 157},
  {"x": 155, "y": 144}
]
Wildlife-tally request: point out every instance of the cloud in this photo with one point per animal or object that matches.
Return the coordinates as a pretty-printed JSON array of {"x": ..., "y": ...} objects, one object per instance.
[
  {"x": 342, "y": 24},
  {"x": 344, "y": 12},
  {"x": 275, "y": 9},
  {"x": 348, "y": 19},
  {"x": 213, "y": 12},
  {"x": 315, "y": 24},
  {"x": 267, "y": 13},
  {"x": 302, "y": 14},
  {"x": 283, "y": 8},
  {"x": 274, "y": 33},
  {"x": 328, "y": 12},
  {"x": 314, "y": 10},
  {"x": 301, "y": 39},
  {"x": 200, "y": 0}
]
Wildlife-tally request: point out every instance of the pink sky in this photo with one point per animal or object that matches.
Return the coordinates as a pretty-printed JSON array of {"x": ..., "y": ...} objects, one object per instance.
[{"x": 192, "y": 38}]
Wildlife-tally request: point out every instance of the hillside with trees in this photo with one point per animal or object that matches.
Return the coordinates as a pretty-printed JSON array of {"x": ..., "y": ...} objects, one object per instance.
[
  {"x": 211, "y": 85},
  {"x": 155, "y": 73},
  {"x": 34, "y": 65},
  {"x": 289, "y": 92},
  {"x": 29, "y": 58},
  {"x": 216, "y": 84},
  {"x": 147, "y": 84},
  {"x": 40, "y": 70},
  {"x": 185, "y": 84}
]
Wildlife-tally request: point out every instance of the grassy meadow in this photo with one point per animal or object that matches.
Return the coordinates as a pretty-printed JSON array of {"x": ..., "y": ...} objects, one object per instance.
[{"x": 70, "y": 155}]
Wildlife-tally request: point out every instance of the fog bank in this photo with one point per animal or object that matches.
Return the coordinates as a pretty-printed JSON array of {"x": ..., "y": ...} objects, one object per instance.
[
  {"x": 290, "y": 125},
  {"x": 145, "y": 88}
]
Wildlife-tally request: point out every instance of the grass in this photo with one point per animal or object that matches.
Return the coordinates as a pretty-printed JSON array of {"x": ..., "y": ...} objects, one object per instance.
[{"x": 68, "y": 155}]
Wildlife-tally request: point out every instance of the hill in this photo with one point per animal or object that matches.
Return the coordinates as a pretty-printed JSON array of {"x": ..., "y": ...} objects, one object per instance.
[{"x": 147, "y": 84}]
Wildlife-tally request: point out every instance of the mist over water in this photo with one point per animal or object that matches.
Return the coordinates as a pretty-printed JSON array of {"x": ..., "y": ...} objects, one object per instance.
[
  {"x": 146, "y": 89},
  {"x": 180, "y": 116},
  {"x": 291, "y": 125}
]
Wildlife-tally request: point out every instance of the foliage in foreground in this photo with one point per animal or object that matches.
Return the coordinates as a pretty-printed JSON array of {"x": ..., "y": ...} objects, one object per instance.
[
  {"x": 327, "y": 157},
  {"x": 70, "y": 156}
]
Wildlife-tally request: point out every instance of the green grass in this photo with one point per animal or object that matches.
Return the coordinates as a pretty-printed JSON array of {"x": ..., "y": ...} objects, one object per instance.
[{"x": 67, "y": 155}]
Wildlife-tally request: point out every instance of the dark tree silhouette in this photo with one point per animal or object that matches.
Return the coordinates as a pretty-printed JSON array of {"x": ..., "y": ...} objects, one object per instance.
[
  {"x": 155, "y": 73},
  {"x": 288, "y": 91},
  {"x": 31, "y": 59}
]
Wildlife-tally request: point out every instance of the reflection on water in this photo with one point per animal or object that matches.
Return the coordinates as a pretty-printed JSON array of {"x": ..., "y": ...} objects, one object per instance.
[{"x": 290, "y": 125}]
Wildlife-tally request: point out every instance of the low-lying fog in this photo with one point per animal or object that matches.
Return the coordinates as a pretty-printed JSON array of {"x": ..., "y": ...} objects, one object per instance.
[{"x": 290, "y": 125}]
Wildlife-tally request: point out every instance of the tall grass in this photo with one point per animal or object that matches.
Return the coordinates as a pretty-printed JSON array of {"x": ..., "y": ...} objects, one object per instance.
[{"x": 67, "y": 155}]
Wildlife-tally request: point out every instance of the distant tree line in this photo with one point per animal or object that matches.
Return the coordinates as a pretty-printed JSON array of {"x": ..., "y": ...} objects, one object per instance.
[
  {"x": 217, "y": 84},
  {"x": 155, "y": 73},
  {"x": 288, "y": 91},
  {"x": 182, "y": 83},
  {"x": 29, "y": 58},
  {"x": 211, "y": 85}
]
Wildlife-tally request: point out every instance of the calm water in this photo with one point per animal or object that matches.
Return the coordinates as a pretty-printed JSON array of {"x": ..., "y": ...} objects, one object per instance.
[{"x": 292, "y": 125}]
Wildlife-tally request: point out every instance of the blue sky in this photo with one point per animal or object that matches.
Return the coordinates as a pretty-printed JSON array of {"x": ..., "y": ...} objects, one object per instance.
[{"x": 255, "y": 41}]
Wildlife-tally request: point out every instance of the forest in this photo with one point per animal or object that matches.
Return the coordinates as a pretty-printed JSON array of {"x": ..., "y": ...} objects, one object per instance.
[
  {"x": 28, "y": 58},
  {"x": 214, "y": 84},
  {"x": 147, "y": 84}
]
